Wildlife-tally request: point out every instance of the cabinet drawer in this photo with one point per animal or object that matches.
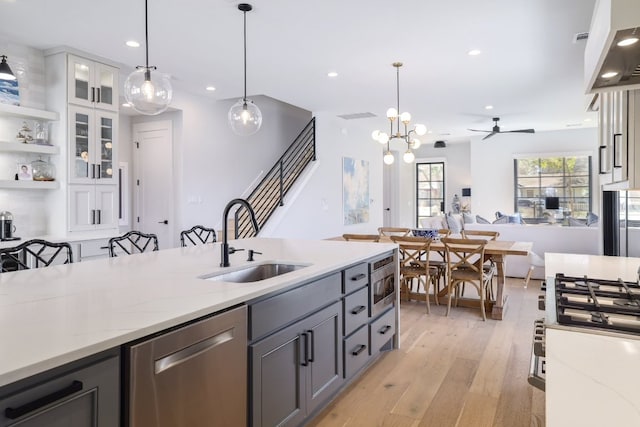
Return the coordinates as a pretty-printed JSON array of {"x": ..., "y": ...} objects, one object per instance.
[
  {"x": 355, "y": 277},
  {"x": 94, "y": 248},
  {"x": 271, "y": 314},
  {"x": 356, "y": 310},
  {"x": 79, "y": 397},
  {"x": 382, "y": 330},
  {"x": 356, "y": 351}
]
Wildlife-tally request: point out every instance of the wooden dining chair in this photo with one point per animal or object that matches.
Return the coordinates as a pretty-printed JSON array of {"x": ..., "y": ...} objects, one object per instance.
[
  {"x": 490, "y": 263},
  {"x": 133, "y": 242},
  {"x": 465, "y": 259},
  {"x": 35, "y": 253},
  {"x": 393, "y": 231},
  {"x": 197, "y": 235},
  {"x": 414, "y": 264},
  {"x": 361, "y": 237}
]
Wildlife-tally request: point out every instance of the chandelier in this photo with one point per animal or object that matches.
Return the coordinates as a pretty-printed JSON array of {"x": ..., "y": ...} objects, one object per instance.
[{"x": 393, "y": 114}]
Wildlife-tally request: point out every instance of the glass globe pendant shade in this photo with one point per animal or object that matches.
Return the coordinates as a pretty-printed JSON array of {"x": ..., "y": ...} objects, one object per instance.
[
  {"x": 415, "y": 143},
  {"x": 408, "y": 156},
  {"x": 148, "y": 92},
  {"x": 388, "y": 158},
  {"x": 405, "y": 117},
  {"x": 392, "y": 113},
  {"x": 383, "y": 138},
  {"x": 421, "y": 129},
  {"x": 375, "y": 135},
  {"x": 245, "y": 118}
]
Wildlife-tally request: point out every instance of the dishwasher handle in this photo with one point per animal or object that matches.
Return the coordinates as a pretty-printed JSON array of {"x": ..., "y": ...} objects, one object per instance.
[{"x": 192, "y": 351}]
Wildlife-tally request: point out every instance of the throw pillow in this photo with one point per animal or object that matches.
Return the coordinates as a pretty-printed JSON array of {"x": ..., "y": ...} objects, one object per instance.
[
  {"x": 515, "y": 219},
  {"x": 468, "y": 218},
  {"x": 481, "y": 220},
  {"x": 591, "y": 219},
  {"x": 575, "y": 222},
  {"x": 455, "y": 223},
  {"x": 502, "y": 220},
  {"x": 433, "y": 222}
]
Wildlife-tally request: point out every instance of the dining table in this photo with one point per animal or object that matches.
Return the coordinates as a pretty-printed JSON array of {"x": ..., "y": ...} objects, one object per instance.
[{"x": 497, "y": 251}]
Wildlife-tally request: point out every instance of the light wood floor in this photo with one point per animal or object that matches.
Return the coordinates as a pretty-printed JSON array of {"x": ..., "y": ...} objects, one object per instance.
[{"x": 450, "y": 371}]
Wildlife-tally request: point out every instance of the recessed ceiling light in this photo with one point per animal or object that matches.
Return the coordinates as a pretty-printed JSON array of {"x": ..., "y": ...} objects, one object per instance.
[
  {"x": 132, "y": 43},
  {"x": 210, "y": 88},
  {"x": 488, "y": 107},
  {"x": 332, "y": 74},
  {"x": 126, "y": 105},
  {"x": 609, "y": 74},
  {"x": 628, "y": 41},
  {"x": 474, "y": 52}
]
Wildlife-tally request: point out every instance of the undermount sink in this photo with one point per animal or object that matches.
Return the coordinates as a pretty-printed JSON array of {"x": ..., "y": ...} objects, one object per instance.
[{"x": 254, "y": 273}]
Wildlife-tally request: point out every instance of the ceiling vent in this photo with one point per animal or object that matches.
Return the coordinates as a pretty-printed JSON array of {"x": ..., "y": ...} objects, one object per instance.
[
  {"x": 355, "y": 116},
  {"x": 580, "y": 36}
]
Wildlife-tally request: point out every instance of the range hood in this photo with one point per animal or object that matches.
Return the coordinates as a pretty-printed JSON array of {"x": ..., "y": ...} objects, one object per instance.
[{"x": 613, "y": 21}]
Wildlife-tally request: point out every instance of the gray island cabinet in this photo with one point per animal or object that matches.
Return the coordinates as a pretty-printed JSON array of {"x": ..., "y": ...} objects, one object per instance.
[
  {"x": 308, "y": 333},
  {"x": 308, "y": 342}
]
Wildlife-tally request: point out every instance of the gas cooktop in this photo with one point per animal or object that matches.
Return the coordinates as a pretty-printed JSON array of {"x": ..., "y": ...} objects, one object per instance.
[{"x": 596, "y": 303}]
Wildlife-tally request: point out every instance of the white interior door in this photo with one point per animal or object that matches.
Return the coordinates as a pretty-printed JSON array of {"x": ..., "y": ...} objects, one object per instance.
[{"x": 154, "y": 181}]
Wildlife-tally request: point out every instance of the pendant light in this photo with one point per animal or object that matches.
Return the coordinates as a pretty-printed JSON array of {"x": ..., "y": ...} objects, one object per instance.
[
  {"x": 245, "y": 117},
  {"x": 5, "y": 71},
  {"x": 148, "y": 93}
]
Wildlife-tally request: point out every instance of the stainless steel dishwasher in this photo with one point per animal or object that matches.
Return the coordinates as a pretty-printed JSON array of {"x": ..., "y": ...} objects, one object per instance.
[{"x": 192, "y": 376}]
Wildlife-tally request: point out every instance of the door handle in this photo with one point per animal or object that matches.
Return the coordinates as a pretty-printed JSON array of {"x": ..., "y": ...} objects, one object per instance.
[
  {"x": 387, "y": 209},
  {"x": 93, "y": 216},
  {"x": 98, "y": 95},
  {"x": 99, "y": 212},
  {"x": 616, "y": 152},
  {"x": 93, "y": 94},
  {"x": 304, "y": 342},
  {"x": 601, "y": 169},
  {"x": 312, "y": 347},
  {"x": 166, "y": 221}
]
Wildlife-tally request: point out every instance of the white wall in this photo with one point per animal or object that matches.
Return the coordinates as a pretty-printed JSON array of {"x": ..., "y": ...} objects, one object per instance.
[
  {"x": 492, "y": 177},
  {"x": 317, "y": 212}
]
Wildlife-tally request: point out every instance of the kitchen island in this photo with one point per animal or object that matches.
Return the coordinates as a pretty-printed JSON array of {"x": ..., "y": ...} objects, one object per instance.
[{"x": 60, "y": 314}]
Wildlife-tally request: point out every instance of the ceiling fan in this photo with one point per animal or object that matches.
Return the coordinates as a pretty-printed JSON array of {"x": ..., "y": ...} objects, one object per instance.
[{"x": 496, "y": 129}]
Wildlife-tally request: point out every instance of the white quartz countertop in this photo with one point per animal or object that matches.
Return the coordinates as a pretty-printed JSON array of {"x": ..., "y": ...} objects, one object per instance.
[
  {"x": 593, "y": 266},
  {"x": 55, "y": 315}
]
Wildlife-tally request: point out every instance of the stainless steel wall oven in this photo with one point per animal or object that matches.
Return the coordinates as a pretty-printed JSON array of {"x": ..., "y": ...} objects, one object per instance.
[{"x": 383, "y": 283}]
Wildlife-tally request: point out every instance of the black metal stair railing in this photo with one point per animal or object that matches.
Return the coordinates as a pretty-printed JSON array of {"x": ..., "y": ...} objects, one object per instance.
[{"x": 271, "y": 191}]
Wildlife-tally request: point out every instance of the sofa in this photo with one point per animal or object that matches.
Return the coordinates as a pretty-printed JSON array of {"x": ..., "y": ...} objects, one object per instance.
[{"x": 544, "y": 237}]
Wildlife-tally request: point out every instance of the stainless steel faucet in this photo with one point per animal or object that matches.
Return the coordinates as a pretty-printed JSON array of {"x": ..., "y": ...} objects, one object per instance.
[{"x": 224, "y": 255}]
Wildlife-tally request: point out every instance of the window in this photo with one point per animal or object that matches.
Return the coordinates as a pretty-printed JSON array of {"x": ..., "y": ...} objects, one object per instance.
[
  {"x": 430, "y": 189},
  {"x": 540, "y": 180}
]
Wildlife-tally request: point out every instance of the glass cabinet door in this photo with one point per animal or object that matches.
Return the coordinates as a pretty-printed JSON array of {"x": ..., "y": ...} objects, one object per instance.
[
  {"x": 80, "y": 81},
  {"x": 92, "y": 84},
  {"x": 81, "y": 152},
  {"x": 92, "y": 150},
  {"x": 105, "y": 170}
]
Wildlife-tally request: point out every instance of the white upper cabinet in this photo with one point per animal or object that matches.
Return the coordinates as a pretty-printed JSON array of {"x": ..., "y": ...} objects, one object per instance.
[{"x": 92, "y": 84}]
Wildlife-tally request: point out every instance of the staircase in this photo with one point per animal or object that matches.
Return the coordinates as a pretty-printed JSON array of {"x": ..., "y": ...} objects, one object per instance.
[{"x": 271, "y": 191}]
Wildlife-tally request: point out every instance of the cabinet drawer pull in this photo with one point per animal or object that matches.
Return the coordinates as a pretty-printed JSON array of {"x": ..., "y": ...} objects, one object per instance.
[
  {"x": 358, "y": 309},
  {"x": 358, "y": 350},
  {"x": 358, "y": 277},
  {"x": 13, "y": 413},
  {"x": 384, "y": 329}
]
